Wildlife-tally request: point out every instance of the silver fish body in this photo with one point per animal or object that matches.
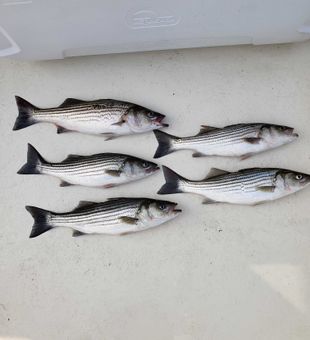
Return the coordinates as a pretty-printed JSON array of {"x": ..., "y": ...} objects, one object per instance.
[
  {"x": 101, "y": 170},
  {"x": 107, "y": 117},
  {"x": 248, "y": 186},
  {"x": 116, "y": 216},
  {"x": 241, "y": 140}
]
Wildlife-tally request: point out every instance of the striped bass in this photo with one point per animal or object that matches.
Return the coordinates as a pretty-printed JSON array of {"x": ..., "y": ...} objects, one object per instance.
[
  {"x": 116, "y": 216},
  {"x": 104, "y": 170},
  {"x": 247, "y": 186},
  {"x": 107, "y": 117},
  {"x": 241, "y": 140}
]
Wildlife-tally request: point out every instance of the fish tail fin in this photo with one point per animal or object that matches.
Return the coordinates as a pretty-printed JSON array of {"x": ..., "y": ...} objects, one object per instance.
[
  {"x": 42, "y": 220},
  {"x": 25, "y": 114},
  {"x": 34, "y": 162},
  {"x": 174, "y": 182},
  {"x": 165, "y": 143}
]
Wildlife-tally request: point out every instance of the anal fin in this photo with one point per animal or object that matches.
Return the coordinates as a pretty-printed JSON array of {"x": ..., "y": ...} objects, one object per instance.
[
  {"x": 198, "y": 154},
  {"x": 65, "y": 184},
  {"x": 109, "y": 136},
  {"x": 61, "y": 129},
  {"x": 77, "y": 233},
  {"x": 125, "y": 233},
  {"x": 245, "y": 156},
  {"x": 208, "y": 201},
  {"x": 108, "y": 186}
]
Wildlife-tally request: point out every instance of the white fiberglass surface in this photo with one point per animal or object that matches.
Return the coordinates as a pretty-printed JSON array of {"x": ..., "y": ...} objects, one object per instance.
[{"x": 215, "y": 272}]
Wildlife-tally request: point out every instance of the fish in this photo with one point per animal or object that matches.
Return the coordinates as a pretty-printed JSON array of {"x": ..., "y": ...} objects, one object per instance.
[
  {"x": 107, "y": 117},
  {"x": 116, "y": 216},
  {"x": 247, "y": 186},
  {"x": 239, "y": 140},
  {"x": 104, "y": 170}
]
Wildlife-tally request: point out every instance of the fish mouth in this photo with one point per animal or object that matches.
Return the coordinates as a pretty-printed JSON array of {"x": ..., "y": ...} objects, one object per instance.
[
  {"x": 159, "y": 119},
  {"x": 290, "y": 131},
  {"x": 173, "y": 208},
  {"x": 154, "y": 169}
]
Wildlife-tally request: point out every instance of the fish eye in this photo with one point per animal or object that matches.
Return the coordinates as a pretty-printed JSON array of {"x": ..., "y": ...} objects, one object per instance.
[
  {"x": 162, "y": 206},
  {"x": 281, "y": 128},
  {"x": 145, "y": 164},
  {"x": 151, "y": 114},
  {"x": 299, "y": 177}
]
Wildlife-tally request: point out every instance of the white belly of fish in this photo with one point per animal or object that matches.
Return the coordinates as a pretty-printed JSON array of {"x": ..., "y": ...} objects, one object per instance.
[
  {"x": 239, "y": 197},
  {"x": 237, "y": 149},
  {"x": 94, "y": 180},
  {"x": 115, "y": 229},
  {"x": 89, "y": 125},
  {"x": 96, "y": 127}
]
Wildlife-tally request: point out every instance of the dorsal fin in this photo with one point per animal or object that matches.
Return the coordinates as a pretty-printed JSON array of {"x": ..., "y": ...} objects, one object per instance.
[
  {"x": 83, "y": 204},
  {"x": 206, "y": 128},
  {"x": 115, "y": 198},
  {"x": 250, "y": 169},
  {"x": 72, "y": 157},
  {"x": 71, "y": 101},
  {"x": 216, "y": 172}
]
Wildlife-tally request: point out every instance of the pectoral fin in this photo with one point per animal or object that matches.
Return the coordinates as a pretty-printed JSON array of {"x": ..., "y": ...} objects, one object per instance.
[
  {"x": 252, "y": 140},
  {"x": 120, "y": 123},
  {"x": 129, "y": 220},
  {"x": 266, "y": 188},
  {"x": 114, "y": 173}
]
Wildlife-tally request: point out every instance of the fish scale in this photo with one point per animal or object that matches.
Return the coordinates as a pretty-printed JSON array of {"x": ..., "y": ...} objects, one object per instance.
[
  {"x": 86, "y": 166},
  {"x": 233, "y": 181},
  {"x": 99, "y": 213},
  {"x": 221, "y": 136},
  {"x": 116, "y": 216},
  {"x": 236, "y": 140},
  {"x": 100, "y": 170},
  {"x": 248, "y": 186},
  {"x": 108, "y": 117}
]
